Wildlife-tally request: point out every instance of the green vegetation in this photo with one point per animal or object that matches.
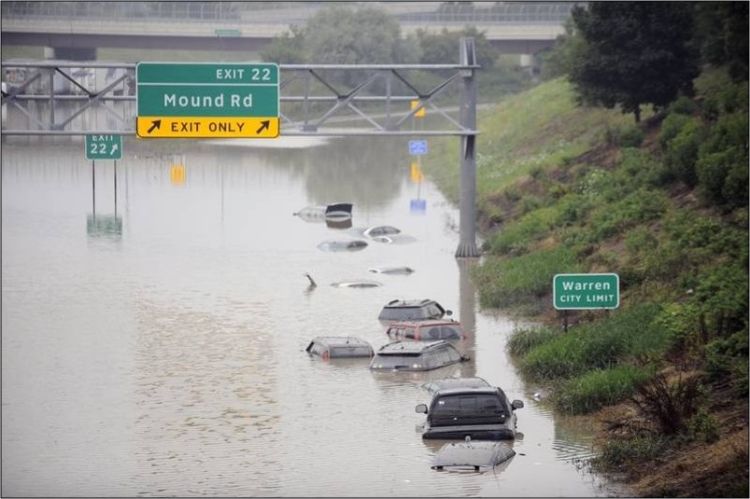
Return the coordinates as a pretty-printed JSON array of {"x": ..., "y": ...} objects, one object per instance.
[
  {"x": 633, "y": 53},
  {"x": 664, "y": 204},
  {"x": 598, "y": 388}
]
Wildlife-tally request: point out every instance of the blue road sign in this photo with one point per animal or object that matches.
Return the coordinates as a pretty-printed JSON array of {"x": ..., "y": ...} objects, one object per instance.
[
  {"x": 418, "y": 147},
  {"x": 418, "y": 206}
]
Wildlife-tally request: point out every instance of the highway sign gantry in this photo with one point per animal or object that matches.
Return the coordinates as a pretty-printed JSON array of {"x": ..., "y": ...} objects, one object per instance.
[
  {"x": 586, "y": 291},
  {"x": 207, "y": 100},
  {"x": 103, "y": 146}
]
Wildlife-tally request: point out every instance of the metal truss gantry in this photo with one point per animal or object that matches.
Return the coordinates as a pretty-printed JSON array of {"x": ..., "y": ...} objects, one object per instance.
[{"x": 61, "y": 98}]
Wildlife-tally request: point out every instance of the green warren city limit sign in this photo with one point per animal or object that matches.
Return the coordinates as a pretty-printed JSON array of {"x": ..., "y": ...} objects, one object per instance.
[
  {"x": 586, "y": 291},
  {"x": 103, "y": 146},
  {"x": 206, "y": 100}
]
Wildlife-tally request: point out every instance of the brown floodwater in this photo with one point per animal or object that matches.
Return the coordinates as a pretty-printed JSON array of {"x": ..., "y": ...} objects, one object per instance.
[{"x": 153, "y": 337}]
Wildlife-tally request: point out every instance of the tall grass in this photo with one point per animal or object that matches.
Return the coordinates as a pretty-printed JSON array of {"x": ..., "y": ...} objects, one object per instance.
[
  {"x": 508, "y": 282},
  {"x": 598, "y": 388},
  {"x": 524, "y": 340},
  {"x": 630, "y": 333}
]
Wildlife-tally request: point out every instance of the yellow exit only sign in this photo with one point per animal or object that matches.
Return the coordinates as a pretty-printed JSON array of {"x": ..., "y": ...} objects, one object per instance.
[{"x": 202, "y": 127}]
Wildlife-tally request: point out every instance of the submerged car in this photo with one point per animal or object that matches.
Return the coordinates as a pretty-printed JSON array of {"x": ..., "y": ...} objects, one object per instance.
[
  {"x": 415, "y": 356},
  {"x": 471, "y": 455},
  {"x": 380, "y": 230},
  {"x": 345, "y": 245},
  {"x": 412, "y": 310},
  {"x": 332, "y": 347},
  {"x": 467, "y": 407},
  {"x": 321, "y": 213},
  {"x": 403, "y": 270},
  {"x": 359, "y": 283},
  {"x": 426, "y": 330}
]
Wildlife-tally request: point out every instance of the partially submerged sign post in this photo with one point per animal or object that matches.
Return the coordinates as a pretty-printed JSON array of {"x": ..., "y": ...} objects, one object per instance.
[
  {"x": 207, "y": 100},
  {"x": 585, "y": 292}
]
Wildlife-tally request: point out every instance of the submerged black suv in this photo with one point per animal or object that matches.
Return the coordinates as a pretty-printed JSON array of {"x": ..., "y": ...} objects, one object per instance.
[{"x": 469, "y": 407}]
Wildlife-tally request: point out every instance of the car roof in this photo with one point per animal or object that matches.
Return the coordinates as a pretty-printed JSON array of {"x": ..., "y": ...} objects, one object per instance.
[
  {"x": 411, "y": 347},
  {"x": 340, "y": 341},
  {"x": 425, "y": 323},
  {"x": 472, "y": 453},
  {"x": 410, "y": 303},
  {"x": 466, "y": 390},
  {"x": 449, "y": 383}
]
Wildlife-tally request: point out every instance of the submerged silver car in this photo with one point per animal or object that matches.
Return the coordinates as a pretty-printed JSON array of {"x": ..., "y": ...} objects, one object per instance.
[
  {"x": 469, "y": 407},
  {"x": 415, "y": 356}
]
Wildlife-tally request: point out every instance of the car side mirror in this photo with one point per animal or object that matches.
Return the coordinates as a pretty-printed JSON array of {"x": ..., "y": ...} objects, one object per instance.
[
  {"x": 465, "y": 358},
  {"x": 517, "y": 404},
  {"x": 421, "y": 408},
  {"x": 449, "y": 312}
]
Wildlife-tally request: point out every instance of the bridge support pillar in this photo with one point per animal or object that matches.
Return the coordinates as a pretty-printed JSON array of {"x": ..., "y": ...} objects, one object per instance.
[
  {"x": 467, "y": 246},
  {"x": 71, "y": 53}
]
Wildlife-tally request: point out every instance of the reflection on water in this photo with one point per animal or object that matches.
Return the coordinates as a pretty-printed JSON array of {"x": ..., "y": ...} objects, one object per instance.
[{"x": 173, "y": 361}]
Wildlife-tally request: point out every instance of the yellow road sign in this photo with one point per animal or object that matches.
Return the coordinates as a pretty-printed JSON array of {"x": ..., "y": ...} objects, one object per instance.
[
  {"x": 202, "y": 127},
  {"x": 177, "y": 174},
  {"x": 415, "y": 104},
  {"x": 416, "y": 173}
]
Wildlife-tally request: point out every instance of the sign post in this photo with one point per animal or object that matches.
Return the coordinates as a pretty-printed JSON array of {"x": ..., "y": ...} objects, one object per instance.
[{"x": 207, "y": 100}]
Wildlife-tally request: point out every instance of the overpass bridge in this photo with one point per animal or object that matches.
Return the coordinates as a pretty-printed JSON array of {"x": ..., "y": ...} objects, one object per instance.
[{"x": 76, "y": 29}]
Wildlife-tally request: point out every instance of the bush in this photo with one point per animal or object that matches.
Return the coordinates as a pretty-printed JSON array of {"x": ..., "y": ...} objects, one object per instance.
[
  {"x": 728, "y": 357},
  {"x": 723, "y": 177},
  {"x": 617, "y": 453},
  {"x": 670, "y": 127},
  {"x": 624, "y": 136},
  {"x": 598, "y": 388},
  {"x": 683, "y": 105},
  {"x": 682, "y": 152},
  {"x": 670, "y": 405},
  {"x": 722, "y": 161},
  {"x": 703, "y": 427}
]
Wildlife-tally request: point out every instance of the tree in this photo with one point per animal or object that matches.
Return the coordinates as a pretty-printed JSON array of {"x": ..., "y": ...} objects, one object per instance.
[
  {"x": 341, "y": 35},
  {"x": 289, "y": 48},
  {"x": 721, "y": 34},
  {"x": 634, "y": 53},
  {"x": 442, "y": 48}
]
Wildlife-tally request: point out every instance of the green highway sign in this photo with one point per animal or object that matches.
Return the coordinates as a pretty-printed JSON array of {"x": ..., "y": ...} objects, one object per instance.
[
  {"x": 586, "y": 291},
  {"x": 182, "y": 100},
  {"x": 103, "y": 146}
]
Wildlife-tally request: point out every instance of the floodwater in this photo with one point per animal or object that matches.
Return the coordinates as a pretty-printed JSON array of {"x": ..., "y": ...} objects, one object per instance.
[{"x": 153, "y": 336}]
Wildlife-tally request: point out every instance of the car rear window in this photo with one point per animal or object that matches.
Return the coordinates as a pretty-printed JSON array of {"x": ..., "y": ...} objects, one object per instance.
[
  {"x": 354, "y": 351},
  {"x": 467, "y": 409},
  {"x": 402, "y": 313}
]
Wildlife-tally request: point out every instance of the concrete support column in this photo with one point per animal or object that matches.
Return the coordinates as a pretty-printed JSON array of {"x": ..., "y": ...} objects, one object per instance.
[{"x": 467, "y": 246}]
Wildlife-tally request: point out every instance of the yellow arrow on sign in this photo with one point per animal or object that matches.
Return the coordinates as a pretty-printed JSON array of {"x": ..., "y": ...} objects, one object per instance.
[
  {"x": 158, "y": 127},
  {"x": 416, "y": 104}
]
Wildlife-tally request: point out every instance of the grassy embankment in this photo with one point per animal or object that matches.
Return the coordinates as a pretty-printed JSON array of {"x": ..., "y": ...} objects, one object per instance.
[{"x": 663, "y": 204}]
